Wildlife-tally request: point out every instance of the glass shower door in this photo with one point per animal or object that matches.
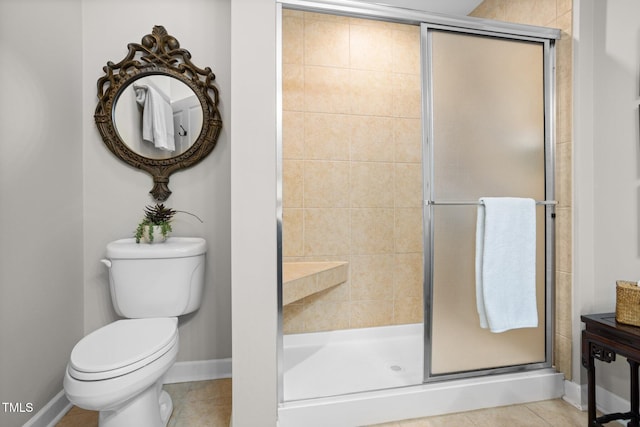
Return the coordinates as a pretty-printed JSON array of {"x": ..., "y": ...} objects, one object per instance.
[{"x": 487, "y": 136}]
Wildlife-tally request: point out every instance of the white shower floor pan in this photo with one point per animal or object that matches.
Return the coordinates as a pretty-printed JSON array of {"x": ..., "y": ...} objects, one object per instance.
[
  {"x": 367, "y": 376},
  {"x": 347, "y": 361}
]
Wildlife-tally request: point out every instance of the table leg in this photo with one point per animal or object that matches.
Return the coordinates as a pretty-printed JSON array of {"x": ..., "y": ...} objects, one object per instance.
[
  {"x": 634, "y": 393},
  {"x": 591, "y": 385}
]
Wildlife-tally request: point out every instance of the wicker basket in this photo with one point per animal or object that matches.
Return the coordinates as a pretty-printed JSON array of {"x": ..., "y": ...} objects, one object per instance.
[{"x": 628, "y": 302}]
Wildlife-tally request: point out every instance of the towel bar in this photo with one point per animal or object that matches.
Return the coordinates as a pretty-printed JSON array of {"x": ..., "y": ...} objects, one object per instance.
[{"x": 433, "y": 202}]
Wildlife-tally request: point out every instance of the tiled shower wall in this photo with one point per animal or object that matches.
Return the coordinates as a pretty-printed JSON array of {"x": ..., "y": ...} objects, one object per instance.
[
  {"x": 556, "y": 14},
  {"x": 352, "y": 172}
]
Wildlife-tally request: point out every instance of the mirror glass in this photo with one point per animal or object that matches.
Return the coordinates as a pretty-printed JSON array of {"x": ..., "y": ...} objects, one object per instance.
[{"x": 158, "y": 116}]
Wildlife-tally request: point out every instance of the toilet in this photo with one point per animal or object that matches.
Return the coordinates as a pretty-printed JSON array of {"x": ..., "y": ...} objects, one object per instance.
[{"x": 119, "y": 369}]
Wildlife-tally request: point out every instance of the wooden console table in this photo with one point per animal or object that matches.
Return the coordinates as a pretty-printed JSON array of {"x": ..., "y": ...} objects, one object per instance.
[{"x": 602, "y": 339}]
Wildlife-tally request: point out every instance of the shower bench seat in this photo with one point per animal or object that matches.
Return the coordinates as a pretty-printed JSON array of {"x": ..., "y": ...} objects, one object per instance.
[{"x": 301, "y": 279}]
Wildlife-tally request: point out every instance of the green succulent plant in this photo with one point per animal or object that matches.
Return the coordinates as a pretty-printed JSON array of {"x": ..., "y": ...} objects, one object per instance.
[
  {"x": 157, "y": 215},
  {"x": 160, "y": 216}
]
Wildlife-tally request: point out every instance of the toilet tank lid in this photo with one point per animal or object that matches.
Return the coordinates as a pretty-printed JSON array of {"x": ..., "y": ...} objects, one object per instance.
[{"x": 173, "y": 247}]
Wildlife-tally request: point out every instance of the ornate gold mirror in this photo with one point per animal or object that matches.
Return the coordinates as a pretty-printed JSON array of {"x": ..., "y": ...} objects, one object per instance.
[{"x": 156, "y": 110}]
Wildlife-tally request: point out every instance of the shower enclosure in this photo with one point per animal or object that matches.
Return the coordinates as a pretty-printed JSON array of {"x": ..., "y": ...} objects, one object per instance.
[{"x": 393, "y": 124}]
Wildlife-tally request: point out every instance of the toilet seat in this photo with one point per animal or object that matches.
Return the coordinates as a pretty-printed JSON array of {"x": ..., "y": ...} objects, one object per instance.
[{"x": 122, "y": 347}]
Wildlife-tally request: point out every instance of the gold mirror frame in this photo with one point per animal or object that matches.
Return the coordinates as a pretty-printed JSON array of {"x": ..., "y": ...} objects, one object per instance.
[{"x": 158, "y": 54}]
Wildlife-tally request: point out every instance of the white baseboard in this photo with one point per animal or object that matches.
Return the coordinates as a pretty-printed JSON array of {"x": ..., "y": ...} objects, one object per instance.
[
  {"x": 200, "y": 370},
  {"x": 50, "y": 413},
  {"x": 606, "y": 402},
  {"x": 575, "y": 394}
]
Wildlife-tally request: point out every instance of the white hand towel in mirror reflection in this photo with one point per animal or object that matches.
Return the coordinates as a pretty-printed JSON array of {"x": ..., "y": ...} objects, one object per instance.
[{"x": 157, "y": 118}]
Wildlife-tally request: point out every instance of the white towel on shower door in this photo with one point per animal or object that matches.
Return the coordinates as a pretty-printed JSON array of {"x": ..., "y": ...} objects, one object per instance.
[{"x": 506, "y": 263}]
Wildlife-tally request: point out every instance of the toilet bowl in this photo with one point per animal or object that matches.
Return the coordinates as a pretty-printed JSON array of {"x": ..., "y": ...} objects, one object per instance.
[{"x": 119, "y": 369}]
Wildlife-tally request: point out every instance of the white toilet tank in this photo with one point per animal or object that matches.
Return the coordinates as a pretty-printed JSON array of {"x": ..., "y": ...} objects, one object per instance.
[{"x": 156, "y": 280}]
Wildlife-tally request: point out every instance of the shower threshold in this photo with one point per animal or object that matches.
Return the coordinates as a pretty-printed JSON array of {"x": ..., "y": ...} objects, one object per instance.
[{"x": 321, "y": 364}]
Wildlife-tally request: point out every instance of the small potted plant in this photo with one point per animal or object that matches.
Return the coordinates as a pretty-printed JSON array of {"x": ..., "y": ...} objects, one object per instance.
[{"x": 156, "y": 224}]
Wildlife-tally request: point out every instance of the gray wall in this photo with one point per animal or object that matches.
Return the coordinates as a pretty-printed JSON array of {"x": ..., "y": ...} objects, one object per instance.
[
  {"x": 64, "y": 196},
  {"x": 41, "y": 209},
  {"x": 607, "y": 165},
  {"x": 115, "y": 194}
]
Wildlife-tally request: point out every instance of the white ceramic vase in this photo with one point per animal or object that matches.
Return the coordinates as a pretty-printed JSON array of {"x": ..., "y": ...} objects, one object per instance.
[{"x": 157, "y": 234}]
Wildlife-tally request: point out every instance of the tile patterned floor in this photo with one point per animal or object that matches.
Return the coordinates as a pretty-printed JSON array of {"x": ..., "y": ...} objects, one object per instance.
[
  {"x": 548, "y": 413},
  {"x": 208, "y": 404},
  {"x": 195, "y": 404}
]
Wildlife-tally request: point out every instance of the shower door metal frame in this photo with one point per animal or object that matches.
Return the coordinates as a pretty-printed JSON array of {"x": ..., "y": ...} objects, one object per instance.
[
  {"x": 547, "y": 41},
  {"x": 433, "y": 20}
]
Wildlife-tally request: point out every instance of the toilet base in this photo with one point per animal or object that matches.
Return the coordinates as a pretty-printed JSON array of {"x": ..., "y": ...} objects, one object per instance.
[{"x": 151, "y": 408}]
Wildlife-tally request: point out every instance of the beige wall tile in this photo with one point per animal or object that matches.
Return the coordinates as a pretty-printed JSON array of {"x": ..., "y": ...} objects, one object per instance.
[
  {"x": 372, "y": 185},
  {"x": 563, "y": 298},
  {"x": 564, "y": 21},
  {"x": 532, "y": 12},
  {"x": 563, "y": 174},
  {"x": 563, "y": 241},
  {"x": 293, "y": 87},
  {"x": 293, "y": 319},
  {"x": 406, "y": 50},
  {"x": 407, "y": 97},
  {"x": 337, "y": 293},
  {"x": 333, "y": 277},
  {"x": 491, "y": 9},
  {"x": 563, "y": 6},
  {"x": 327, "y": 136},
  {"x": 564, "y": 91},
  {"x": 326, "y": 316},
  {"x": 408, "y": 310},
  {"x": 408, "y": 230},
  {"x": 366, "y": 314},
  {"x": 371, "y": 231},
  {"x": 372, "y": 138},
  {"x": 407, "y": 140},
  {"x": 325, "y": 17},
  {"x": 292, "y": 175},
  {"x": 292, "y": 232},
  {"x": 326, "y": 90},
  {"x": 372, "y": 277},
  {"x": 292, "y": 12},
  {"x": 373, "y": 23},
  {"x": 326, "y": 43},
  {"x": 326, "y": 232},
  {"x": 326, "y": 184},
  {"x": 562, "y": 355},
  {"x": 408, "y": 185},
  {"x": 370, "y": 48},
  {"x": 409, "y": 275},
  {"x": 345, "y": 116},
  {"x": 371, "y": 93},
  {"x": 292, "y": 40},
  {"x": 295, "y": 290},
  {"x": 292, "y": 135}
]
